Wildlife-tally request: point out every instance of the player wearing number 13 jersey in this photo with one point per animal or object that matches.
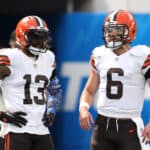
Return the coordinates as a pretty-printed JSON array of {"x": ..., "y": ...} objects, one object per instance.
[
  {"x": 25, "y": 72},
  {"x": 118, "y": 75},
  {"x": 26, "y": 85}
]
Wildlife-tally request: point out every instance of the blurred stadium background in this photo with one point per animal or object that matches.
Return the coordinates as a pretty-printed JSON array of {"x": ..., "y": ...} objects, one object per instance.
[{"x": 76, "y": 29}]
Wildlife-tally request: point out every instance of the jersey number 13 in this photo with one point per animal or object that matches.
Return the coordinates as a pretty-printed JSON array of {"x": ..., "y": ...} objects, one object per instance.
[{"x": 40, "y": 89}]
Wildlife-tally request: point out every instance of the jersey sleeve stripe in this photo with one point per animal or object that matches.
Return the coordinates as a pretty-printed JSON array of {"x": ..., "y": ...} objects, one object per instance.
[
  {"x": 4, "y": 63},
  {"x": 4, "y": 60},
  {"x": 148, "y": 57},
  {"x": 147, "y": 74},
  {"x": 92, "y": 63},
  {"x": 146, "y": 67},
  {"x": 146, "y": 64}
]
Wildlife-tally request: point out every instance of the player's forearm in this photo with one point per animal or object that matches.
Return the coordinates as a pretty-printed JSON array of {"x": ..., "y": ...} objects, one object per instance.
[
  {"x": 90, "y": 90},
  {"x": 86, "y": 99},
  {"x": 4, "y": 71}
]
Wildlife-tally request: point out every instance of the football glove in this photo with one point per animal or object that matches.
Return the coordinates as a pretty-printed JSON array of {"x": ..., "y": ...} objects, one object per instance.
[
  {"x": 48, "y": 119},
  {"x": 15, "y": 118}
]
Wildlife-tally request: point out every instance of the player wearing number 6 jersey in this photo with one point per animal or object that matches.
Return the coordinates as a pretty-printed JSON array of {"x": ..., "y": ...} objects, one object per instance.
[
  {"x": 118, "y": 75},
  {"x": 25, "y": 72}
]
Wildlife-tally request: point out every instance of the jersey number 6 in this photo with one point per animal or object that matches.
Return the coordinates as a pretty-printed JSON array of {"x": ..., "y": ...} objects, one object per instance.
[{"x": 111, "y": 83}]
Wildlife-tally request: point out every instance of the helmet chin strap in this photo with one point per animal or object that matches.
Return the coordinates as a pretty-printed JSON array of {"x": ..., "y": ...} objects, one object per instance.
[{"x": 36, "y": 51}]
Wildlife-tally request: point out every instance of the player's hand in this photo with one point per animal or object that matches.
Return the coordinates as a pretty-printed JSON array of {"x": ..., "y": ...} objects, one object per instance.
[
  {"x": 16, "y": 118},
  {"x": 85, "y": 119},
  {"x": 146, "y": 134},
  {"x": 48, "y": 119}
]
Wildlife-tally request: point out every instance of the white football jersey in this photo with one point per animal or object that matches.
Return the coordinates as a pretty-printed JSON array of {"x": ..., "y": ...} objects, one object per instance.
[
  {"x": 2, "y": 103},
  {"x": 24, "y": 89},
  {"x": 122, "y": 81},
  {"x": 2, "y": 108}
]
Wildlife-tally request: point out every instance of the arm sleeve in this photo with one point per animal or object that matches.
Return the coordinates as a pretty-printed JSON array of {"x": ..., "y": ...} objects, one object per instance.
[
  {"x": 4, "y": 66},
  {"x": 4, "y": 60},
  {"x": 146, "y": 67},
  {"x": 54, "y": 95},
  {"x": 93, "y": 64}
]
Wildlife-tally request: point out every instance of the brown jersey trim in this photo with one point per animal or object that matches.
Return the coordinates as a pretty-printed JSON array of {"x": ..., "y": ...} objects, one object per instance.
[
  {"x": 7, "y": 142},
  {"x": 147, "y": 62},
  {"x": 4, "y": 60},
  {"x": 92, "y": 62}
]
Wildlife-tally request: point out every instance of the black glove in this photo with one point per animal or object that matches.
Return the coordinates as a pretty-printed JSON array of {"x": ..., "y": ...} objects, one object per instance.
[
  {"x": 15, "y": 118},
  {"x": 48, "y": 119}
]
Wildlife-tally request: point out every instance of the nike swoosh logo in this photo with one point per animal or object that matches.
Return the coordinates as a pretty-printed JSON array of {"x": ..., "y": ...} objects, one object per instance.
[{"x": 132, "y": 130}]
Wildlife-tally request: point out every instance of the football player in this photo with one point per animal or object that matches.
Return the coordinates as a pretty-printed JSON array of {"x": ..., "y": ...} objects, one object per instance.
[
  {"x": 12, "y": 44},
  {"x": 2, "y": 108},
  {"x": 118, "y": 75},
  {"x": 25, "y": 72}
]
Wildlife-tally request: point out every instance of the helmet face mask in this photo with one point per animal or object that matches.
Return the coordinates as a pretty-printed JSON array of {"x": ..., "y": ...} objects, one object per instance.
[
  {"x": 32, "y": 35},
  {"x": 119, "y": 29},
  {"x": 115, "y": 35},
  {"x": 38, "y": 41}
]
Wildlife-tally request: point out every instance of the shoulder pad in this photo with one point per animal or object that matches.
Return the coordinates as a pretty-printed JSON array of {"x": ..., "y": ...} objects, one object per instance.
[
  {"x": 50, "y": 53},
  {"x": 3, "y": 50},
  {"x": 140, "y": 50},
  {"x": 7, "y": 51},
  {"x": 100, "y": 51}
]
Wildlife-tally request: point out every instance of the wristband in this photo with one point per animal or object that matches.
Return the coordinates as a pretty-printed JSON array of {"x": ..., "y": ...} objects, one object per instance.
[{"x": 84, "y": 104}]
